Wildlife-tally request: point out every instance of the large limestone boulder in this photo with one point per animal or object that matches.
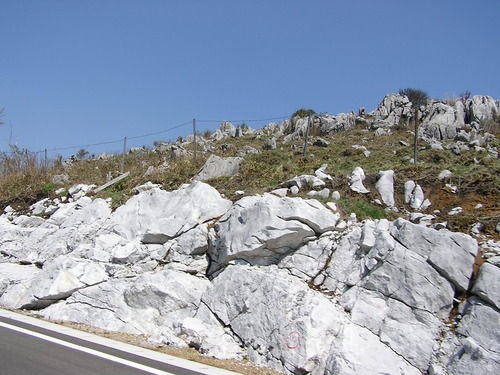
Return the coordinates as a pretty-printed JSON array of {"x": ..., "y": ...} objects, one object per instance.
[
  {"x": 216, "y": 167},
  {"x": 442, "y": 121},
  {"x": 295, "y": 325},
  {"x": 154, "y": 304},
  {"x": 451, "y": 254},
  {"x": 57, "y": 280},
  {"x": 262, "y": 229},
  {"x": 487, "y": 284},
  {"x": 393, "y": 109},
  {"x": 481, "y": 107},
  {"x": 157, "y": 215},
  {"x": 475, "y": 350}
]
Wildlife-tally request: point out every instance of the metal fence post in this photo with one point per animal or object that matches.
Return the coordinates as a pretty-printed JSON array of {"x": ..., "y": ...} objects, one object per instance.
[
  {"x": 124, "y": 153},
  {"x": 194, "y": 135},
  {"x": 309, "y": 119}
]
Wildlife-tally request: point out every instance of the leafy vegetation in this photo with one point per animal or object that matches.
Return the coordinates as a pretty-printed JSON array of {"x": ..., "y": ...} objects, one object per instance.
[{"x": 302, "y": 113}]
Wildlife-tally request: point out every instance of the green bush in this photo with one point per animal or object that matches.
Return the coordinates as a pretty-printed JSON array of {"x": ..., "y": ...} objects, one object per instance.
[{"x": 302, "y": 112}]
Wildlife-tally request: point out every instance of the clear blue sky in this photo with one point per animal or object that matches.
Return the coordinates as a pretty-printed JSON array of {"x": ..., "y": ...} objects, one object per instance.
[{"x": 78, "y": 72}]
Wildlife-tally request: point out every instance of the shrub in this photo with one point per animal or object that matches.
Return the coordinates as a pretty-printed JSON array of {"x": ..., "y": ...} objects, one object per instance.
[
  {"x": 302, "y": 112},
  {"x": 417, "y": 97}
]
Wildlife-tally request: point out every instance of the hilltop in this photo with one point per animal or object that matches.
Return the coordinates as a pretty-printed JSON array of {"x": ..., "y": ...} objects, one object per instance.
[
  {"x": 457, "y": 137},
  {"x": 318, "y": 245}
]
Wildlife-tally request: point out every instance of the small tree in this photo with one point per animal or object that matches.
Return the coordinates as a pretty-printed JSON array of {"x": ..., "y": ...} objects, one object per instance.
[
  {"x": 417, "y": 98},
  {"x": 82, "y": 154},
  {"x": 303, "y": 113},
  {"x": 465, "y": 96}
]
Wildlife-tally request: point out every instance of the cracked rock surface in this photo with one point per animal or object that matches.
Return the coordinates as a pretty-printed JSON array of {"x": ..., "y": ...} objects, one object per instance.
[{"x": 271, "y": 278}]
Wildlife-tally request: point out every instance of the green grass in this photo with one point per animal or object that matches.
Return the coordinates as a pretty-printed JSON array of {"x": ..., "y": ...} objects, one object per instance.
[
  {"x": 363, "y": 209},
  {"x": 473, "y": 172}
]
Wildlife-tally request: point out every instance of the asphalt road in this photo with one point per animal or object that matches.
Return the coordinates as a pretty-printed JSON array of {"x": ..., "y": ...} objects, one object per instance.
[{"x": 27, "y": 349}]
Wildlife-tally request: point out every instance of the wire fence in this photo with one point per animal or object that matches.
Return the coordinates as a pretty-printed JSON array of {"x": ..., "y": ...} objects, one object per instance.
[{"x": 21, "y": 159}]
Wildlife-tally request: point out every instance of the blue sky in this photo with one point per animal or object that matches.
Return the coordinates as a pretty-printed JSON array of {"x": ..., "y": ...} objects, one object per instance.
[{"x": 81, "y": 72}]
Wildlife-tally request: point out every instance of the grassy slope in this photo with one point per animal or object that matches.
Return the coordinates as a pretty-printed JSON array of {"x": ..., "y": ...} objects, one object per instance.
[{"x": 475, "y": 174}]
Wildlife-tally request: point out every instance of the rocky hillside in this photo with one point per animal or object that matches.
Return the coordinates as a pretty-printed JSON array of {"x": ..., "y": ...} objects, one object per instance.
[{"x": 343, "y": 268}]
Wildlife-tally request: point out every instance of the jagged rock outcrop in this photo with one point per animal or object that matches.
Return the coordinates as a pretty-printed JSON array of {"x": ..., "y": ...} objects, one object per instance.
[
  {"x": 441, "y": 121},
  {"x": 481, "y": 107},
  {"x": 393, "y": 110},
  {"x": 281, "y": 280}
]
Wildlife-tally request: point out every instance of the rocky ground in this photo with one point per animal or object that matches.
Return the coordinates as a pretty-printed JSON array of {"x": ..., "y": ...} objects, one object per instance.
[{"x": 291, "y": 278}]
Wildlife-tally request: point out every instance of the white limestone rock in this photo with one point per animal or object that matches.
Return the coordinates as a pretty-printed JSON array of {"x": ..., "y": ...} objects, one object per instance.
[
  {"x": 261, "y": 229},
  {"x": 356, "y": 181},
  {"x": 216, "y": 167},
  {"x": 360, "y": 352},
  {"x": 321, "y": 173},
  {"x": 80, "y": 190},
  {"x": 296, "y": 325},
  {"x": 451, "y": 254},
  {"x": 392, "y": 321},
  {"x": 445, "y": 173},
  {"x": 477, "y": 351},
  {"x": 487, "y": 284},
  {"x": 385, "y": 187},
  {"x": 304, "y": 182},
  {"x": 57, "y": 280},
  {"x": 149, "y": 304},
  {"x": 441, "y": 121},
  {"x": 307, "y": 262},
  {"x": 393, "y": 109},
  {"x": 15, "y": 283},
  {"x": 168, "y": 213},
  {"x": 282, "y": 192},
  {"x": 481, "y": 107},
  {"x": 209, "y": 339}
]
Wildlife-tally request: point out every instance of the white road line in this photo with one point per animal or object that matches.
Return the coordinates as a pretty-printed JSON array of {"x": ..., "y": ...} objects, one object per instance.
[
  {"x": 128, "y": 348},
  {"x": 86, "y": 350}
]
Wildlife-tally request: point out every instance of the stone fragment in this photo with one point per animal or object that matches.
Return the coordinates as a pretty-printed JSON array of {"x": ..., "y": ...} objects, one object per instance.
[
  {"x": 356, "y": 181},
  {"x": 216, "y": 167},
  {"x": 385, "y": 187}
]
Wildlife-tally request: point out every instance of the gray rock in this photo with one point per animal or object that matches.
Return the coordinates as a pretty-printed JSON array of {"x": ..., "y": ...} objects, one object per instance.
[
  {"x": 441, "y": 121},
  {"x": 60, "y": 179},
  {"x": 320, "y": 142},
  {"x": 477, "y": 350},
  {"x": 481, "y": 107},
  {"x": 270, "y": 144},
  {"x": 391, "y": 111},
  {"x": 262, "y": 229},
  {"x": 304, "y": 182},
  {"x": 321, "y": 173},
  {"x": 451, "y": 254},
  {"x": 168, "y": 213},
  {"x": 385, "y": 187},
  {"x": 392, "y": 320},
  {"x": 216, "y": 167},
  {"x": 444, "y": 174},
  {"x": 356, "y": 181},
  {"x": 486, "y": 284},
  {"x": 248, "y": 150},
  {"x": 296, "y": 325}
]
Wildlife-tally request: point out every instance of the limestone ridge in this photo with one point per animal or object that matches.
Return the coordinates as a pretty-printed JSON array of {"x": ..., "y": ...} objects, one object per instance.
[{"x": 280, "y": 280}]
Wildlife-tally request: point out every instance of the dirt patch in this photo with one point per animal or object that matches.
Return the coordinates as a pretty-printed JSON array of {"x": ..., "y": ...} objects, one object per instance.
[{"x": 240, "y": 366}]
